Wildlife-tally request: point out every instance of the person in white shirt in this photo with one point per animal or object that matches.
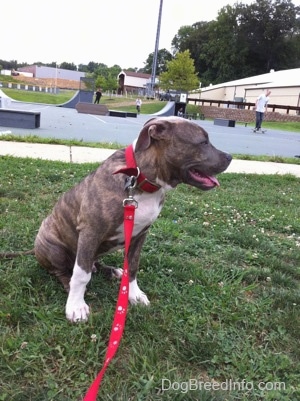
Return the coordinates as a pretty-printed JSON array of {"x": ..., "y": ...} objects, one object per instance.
[
  {"x": 138, "y": 103},
  {"x": 180, "y": 112},
  {"x": 260, "y": 108}
]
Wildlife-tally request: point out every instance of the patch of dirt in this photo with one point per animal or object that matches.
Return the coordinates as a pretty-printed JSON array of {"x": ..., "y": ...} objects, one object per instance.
[{"x": 49, "y": 82}]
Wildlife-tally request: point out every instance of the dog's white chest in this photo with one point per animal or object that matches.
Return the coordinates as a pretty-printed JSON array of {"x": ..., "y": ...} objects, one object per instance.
[
  {"x": 149, "y": 207},
  {"x": 147, "y": 211}
]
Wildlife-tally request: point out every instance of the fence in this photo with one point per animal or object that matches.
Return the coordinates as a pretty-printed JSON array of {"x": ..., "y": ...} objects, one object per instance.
[{"x": 243, "y": 111}]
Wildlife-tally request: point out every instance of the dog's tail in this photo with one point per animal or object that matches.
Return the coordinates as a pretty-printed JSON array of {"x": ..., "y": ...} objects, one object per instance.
[{"x": 11, "y": 255}]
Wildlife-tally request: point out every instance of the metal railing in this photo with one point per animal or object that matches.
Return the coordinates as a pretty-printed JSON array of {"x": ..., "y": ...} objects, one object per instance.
[{"x": 242, "y": 105}]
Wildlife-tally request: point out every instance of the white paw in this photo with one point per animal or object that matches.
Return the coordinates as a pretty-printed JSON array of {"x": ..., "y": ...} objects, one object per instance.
[
  {"x": 117, "y": 273},
  {"x": 76, "y": 309},
  {"x": 77, "y": 312},
  {"x": 136, "y": 295}
]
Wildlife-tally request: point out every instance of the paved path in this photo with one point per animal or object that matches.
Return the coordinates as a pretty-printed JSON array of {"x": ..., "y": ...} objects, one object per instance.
[
  {"x": 81, "y": 154},
  {"x": 64, "y": 123}
]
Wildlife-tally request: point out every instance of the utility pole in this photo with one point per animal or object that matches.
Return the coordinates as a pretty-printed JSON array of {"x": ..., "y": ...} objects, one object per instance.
[{"x": 154, "y": 65}]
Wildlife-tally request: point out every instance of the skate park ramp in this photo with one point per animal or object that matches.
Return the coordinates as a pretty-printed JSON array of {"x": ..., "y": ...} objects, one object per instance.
[
  {"x": 3, "y": 95},
  {"x": 167, "y": 110},
  {"x": 81, "y": 96},
  {"x": 5, "y": 101}
]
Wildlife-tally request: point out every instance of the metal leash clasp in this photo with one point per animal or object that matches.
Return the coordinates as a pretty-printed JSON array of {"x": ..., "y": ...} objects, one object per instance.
[{"x": 130, "y": 185}]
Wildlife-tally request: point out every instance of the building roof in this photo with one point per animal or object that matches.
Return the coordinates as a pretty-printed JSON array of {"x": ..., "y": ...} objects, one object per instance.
[
  {"x": 273, "y": 78},
  {"x": 135, "y": 74}
]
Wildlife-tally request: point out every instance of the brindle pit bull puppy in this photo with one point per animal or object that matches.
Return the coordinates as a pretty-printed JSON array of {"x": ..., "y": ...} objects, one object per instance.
[{"x": 87, "y": 221}]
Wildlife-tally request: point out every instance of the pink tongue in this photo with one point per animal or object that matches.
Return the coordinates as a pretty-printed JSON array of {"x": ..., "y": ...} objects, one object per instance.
[
  {"x": 205, "y": 179},
  {"x": 214, "y": 180}
]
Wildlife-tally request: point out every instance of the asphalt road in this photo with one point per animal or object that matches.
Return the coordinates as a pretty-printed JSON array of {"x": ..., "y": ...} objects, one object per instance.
[{"x": 65, "y": 123}]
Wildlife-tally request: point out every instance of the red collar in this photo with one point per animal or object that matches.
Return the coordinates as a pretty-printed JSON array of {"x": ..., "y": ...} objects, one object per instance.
[{"x": 132, "y": 169}]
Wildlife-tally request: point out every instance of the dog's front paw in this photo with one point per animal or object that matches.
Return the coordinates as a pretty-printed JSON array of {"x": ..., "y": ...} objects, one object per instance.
[
  {"x": 108, "y": 272},
  {"x": 117, "y": 273},
  {"x": 77, "y": 312},
  {"x": 136, "y": 295}
]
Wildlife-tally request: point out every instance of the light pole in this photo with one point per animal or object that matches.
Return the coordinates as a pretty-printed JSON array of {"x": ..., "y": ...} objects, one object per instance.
[
  {"x": 55, "y": 78},
  {"x": 57, "y": 66},
  {"x": 154, "y": 65}
]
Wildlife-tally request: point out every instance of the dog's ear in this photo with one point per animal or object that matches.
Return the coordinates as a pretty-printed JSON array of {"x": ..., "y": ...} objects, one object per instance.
[{"x": 153, "y": 129}]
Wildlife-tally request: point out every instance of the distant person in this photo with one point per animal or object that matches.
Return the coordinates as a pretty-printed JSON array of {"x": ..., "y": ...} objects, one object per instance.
[
  {"x": 98, "y": 96},
  {"x": 260, "y": 108},
  {"x": 180, "y": 112},
  {"x": 138, "y": 103}
]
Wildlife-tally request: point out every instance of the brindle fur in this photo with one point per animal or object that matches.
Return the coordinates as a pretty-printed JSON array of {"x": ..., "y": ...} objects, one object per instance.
[{"x": 85, "y": 221}]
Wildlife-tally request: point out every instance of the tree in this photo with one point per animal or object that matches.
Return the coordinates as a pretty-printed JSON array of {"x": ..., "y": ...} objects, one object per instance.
[
  {"x": 267, "y": 27},
  {"x": 294, "y": 44},
  {"x": 9, "y": 65},
  {"x": 114, "y": 71},
  {"x": 92, "y": 66},
  {"x": 180, "y": 74},
  {"x": 225, "y": 51},
  {"x": 83, "y": 68},
  {"x": 106, "y": 77},
  {"x": 181, "y": 39},
  {"x": 53, "y": 64},
  {"x": 195, "y": 38},
  {"x": 244, "y": 40},
  {"x": 100, "y": 82},
  {"x": 163, "y": 56},
  {"x": 68, "y": 66}
]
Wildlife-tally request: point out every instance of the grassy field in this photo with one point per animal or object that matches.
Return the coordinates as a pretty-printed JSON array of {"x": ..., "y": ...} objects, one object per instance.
[
  {"x": 220, "y": 268},
  {"x": 39, "y": 97}
]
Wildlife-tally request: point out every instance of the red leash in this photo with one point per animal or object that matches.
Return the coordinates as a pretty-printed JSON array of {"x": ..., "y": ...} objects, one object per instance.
[
  {"x": 122, "y": 303},
  {"x": 137, "y": 180}
]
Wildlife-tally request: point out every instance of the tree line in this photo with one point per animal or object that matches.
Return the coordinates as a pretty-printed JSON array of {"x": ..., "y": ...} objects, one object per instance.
[{"x": 243, "y": 41}]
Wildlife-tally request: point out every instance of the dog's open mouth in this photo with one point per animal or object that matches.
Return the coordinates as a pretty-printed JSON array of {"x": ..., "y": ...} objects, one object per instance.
[{"x": 202, "y": 180}]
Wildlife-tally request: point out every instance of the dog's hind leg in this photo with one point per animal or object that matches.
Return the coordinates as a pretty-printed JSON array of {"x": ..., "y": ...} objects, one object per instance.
[{"x": 54, "y": 257}]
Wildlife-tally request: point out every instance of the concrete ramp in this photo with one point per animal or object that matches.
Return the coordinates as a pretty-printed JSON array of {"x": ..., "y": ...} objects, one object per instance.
[
  {"x": 2, "y": 94},
  {"x": 80, "y": 96},
  {"x": 168, "y": 110},
  {"x": 5, "y": 101}
]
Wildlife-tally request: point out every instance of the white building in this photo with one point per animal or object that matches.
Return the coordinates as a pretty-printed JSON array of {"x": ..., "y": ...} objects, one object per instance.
[{"x": 284, "y": 84}]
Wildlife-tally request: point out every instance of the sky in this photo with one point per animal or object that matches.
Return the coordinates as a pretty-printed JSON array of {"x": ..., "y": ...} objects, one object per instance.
[{"x": 112, "y": 32}]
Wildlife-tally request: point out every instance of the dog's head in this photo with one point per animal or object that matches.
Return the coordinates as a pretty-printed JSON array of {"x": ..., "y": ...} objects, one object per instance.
[{"x": 180, "y": 152}]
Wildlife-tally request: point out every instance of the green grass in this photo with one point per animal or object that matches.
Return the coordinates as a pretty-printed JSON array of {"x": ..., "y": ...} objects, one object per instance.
[
  {"x": 292, "y": 126},
  {"x": 39, "y": 97},
  {"x": 221, "y": 269},
  {"x": 148, "y": 106},
  {"x": 287, "y": 126}
]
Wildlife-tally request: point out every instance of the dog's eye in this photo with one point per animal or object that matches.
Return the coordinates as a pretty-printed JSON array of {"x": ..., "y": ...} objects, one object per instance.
[{"x": 204, "y": 142}]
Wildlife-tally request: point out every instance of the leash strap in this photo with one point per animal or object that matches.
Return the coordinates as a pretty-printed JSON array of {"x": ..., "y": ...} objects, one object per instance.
[{"x": 121, "y": 308}]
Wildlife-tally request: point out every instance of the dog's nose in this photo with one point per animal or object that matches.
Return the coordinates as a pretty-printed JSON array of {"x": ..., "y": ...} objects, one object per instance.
[{"x": 228, "y": 157}]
